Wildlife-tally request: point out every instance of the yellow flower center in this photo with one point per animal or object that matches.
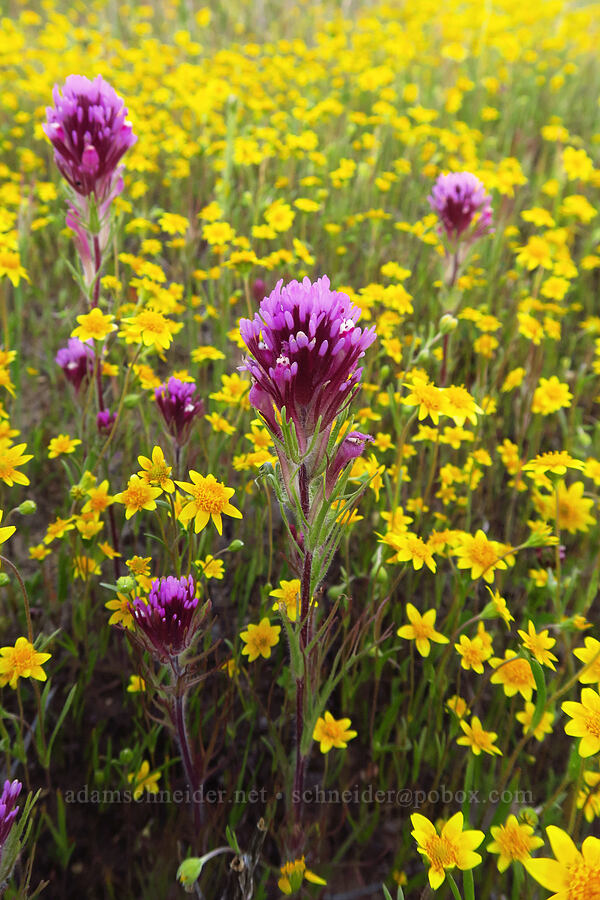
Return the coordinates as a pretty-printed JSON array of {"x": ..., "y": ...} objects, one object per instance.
[
  {"x": 151, "y": 321},
  {"x": 441, "y": 852},
  {"x": 513, "y": 842},
  {"x": 211, "y": 497},
  {"x": 592, "y": 723},
  {"x": 136, "y": 495},
  {"x": 483, "y": 553},
  {"x": 517, "y": 671},
  {"x": 421, "y": 630},
  {"x": 584, "y": 881},
  {"x": 23, "y": 658}
]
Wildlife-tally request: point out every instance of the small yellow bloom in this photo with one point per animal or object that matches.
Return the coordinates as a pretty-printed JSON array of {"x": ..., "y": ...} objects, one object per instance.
[
  {"x": 514, "y": 674},
  {"x": 514, "y": 842},
  {"x": 143, "y": 780},
  {"x": 21, "y": 661},
  {"x": 211, "y": 567},
  {"x": 136, "y": 684},
  {"x": 330, "y": 732},
  {"x": 155, "y": 471},
  {"x": 120, "y": 607},
  {"x": 421, "y": 629},
  {"x": 477, "y": 739},
  {"x": 539, "y": 645},
  {"x": 292, "y": 875},
  {"x": 209, "y": 500},
  {"x": 451, "y": 847},
  {"x": 138, "y": 495},
  {"x": 95, "y": 324},
  {"x": 288, "y": 595},
  {"x": 62, "y": 444},
  {"x": 259, "y": 639},
  {"x": 544, "y": 726}
]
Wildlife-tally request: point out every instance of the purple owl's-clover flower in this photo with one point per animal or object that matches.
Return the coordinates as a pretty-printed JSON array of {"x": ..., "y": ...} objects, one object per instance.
[
  {"x": 77, "y": 362},
  {"x": 90, "y": 133},
  {"x": 458, "y": 198},
  {"x": 304, "y": 347},
  {"x": 167, "y": 621},
  {"x": 8, "y": 809},
  {"x": 179, "y": 407}
]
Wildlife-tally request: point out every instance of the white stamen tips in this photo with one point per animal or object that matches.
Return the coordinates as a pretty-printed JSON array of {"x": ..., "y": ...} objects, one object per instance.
[
  {"x": 283, "y": 360},
  {"x": 347, "y": 325}
]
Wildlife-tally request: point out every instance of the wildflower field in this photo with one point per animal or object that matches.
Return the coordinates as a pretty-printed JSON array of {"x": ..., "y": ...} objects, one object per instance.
[{"x": 299, "y": 450}]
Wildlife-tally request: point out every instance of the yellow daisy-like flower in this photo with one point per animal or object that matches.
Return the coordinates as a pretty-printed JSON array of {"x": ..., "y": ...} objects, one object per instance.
[
  {"x": 410, "y": 547},
  {"x": 514, "y": 841},
  {"x": 21, "y": 661},
  {"x": 477, "y": 739},
  {"x": 211, "y": 567},
  {"x": 155, "y": 471},
  {"x": 460, "y": 405},
  {"x": 421, "y": 629},
  {"x": 585, "y": 721},
  {"x": 149, "y": 328},
  {"x": 62, "y": 444},
  {"x": 288, "y": 596},
  {"x": 574, "y": 874},
  {"x": 10, "y": 458},
  {"x": 473, "y": 653},
  {"x": 138, "y": 495},
  {"x": 121, "y": 611},
  {"x": 143, "y": 780},
  {"x": 95, "y": 324},
  {"x": 430, "y": 399},
  {"x": 480, "y": 555},
  {"x": 550, "y": 395},
  {"x": 543, "y": 727},
  {"x": 330, "y": 732},
  {"x": 293, "y": 874},
  {"x": 260, "y": 639},
  {"x": 573, "y": 508},
  {"x": 514, "y": 674},
  {"x": 451, "y": 847},
  {"x": 539, "y": 645},
  {"x": 554, "y": 461},
  {"x": 98, "y": 498},
  {"x": 209, "y": 500}
]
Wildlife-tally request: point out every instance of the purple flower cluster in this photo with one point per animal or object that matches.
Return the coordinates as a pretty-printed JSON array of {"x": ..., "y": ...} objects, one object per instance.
[
  {"x": 77, "y": 361},
  {"x": 89, "y": 131},
  {"x": 179, "y": 407},
  {"x": 457, "y": 198},
  {"x": 304, "y": 346},
  {"x": 167, "y": 620},
  {"x": 8, "y": 809}
]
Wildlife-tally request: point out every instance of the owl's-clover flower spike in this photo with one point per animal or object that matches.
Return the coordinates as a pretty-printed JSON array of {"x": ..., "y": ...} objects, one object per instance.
[
  {"x": 304, "y": 348},
  {"x": 179, "y": 407},
  {"x": 167, "y": 620},
  {"x": 90, "y": 133},
  {"x": 8, "y": 809},
  {"x": 77, "y": 361},
  {"x": 458, "y": 198}
]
